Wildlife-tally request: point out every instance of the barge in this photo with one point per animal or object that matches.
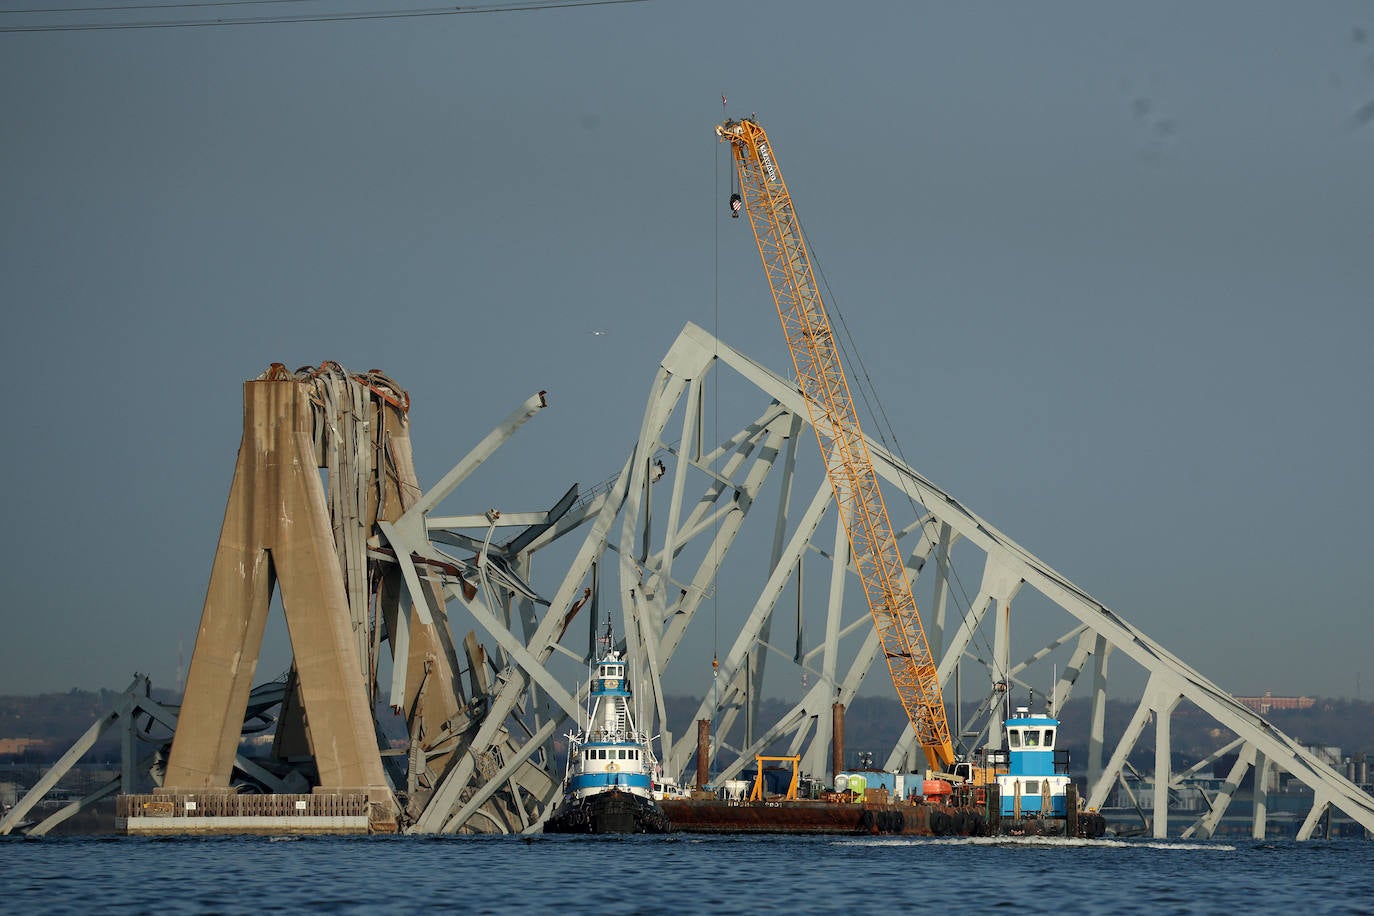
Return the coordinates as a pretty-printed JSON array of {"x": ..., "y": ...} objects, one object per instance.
[
  {"x": 854, "y": 808},
  {"x": 822, "y": 817},
  {"x": 614, "y": 783},
  {"x": 1022, "y": 788}
]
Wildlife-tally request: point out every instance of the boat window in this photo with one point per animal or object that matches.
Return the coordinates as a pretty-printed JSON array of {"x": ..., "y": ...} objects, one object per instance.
[
  {"x": 1049, "y": 737},
  {"x": 601, "y": 754},
  {"x": 1032, "y": 787},
  {"x": 1032, "y": 737},
  {"x": 622, "y": 753},
  {"x": 1014, "y": 737}
]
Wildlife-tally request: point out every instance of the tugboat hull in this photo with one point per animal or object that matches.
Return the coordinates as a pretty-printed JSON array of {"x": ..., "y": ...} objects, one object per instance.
[
  {"x": 1089, "y": 826},
  {"x": 608, "y": 812}
]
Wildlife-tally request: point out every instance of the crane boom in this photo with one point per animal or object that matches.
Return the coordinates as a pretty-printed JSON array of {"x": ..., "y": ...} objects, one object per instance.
[{"x": 844, "y": 449}]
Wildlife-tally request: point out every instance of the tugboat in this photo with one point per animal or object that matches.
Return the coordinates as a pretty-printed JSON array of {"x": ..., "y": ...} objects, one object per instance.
[
  {"x": 612, "y": 774},
  {"x": 1037, "y": 797}
]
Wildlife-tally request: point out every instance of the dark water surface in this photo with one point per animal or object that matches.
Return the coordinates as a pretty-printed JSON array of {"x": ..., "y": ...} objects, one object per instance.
[{"x": 680, "y": 874}]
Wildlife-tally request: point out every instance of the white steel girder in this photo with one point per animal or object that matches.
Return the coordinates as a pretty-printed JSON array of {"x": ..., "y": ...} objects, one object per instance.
[{"x": 677, "y": 529}]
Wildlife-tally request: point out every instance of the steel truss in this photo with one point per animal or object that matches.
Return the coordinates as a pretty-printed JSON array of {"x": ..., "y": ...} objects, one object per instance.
[
  {"x": 134, "y": 713},
  {"x": 653, "y": 545},
  {"x": 668, "y": 532}
]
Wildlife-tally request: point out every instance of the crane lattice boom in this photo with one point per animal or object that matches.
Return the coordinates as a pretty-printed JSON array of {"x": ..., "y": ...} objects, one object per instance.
[{"x": 821, "y": 377}]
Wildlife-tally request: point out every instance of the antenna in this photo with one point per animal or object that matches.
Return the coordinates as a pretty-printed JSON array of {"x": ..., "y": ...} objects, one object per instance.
[
  {"x": 595, "y": 613},
  {"x": 608, "y": 638}
]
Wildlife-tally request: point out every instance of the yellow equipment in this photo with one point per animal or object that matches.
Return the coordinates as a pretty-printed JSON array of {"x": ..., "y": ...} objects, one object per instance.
[
  {"x": 821, "y": 377},
  {"x": 758, "y": 793}
]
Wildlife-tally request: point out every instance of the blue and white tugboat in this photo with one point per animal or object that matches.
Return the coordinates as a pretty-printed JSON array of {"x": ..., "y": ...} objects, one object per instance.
[
  {"x": 1036, "y": 794},
  {"x": 612, "y": 772}
]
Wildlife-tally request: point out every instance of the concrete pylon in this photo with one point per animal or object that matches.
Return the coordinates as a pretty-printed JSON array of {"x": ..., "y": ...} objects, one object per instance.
[{"x": 277, "y": 529}]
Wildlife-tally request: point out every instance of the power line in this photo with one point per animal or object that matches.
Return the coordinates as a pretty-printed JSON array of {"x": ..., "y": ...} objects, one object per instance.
[
  {"x": 516, "y": 7},
  {"x": 144, "y": 6}
]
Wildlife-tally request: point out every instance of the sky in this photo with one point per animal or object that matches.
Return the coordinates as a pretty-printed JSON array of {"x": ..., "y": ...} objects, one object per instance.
[{"x": 1108, "y": 265}]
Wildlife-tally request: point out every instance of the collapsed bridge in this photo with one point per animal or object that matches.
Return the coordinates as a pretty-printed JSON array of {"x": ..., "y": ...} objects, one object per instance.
[{"x": 424, "y": 604}]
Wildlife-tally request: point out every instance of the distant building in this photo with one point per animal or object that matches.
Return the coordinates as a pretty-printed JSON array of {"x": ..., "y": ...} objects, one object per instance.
[
  {"x": 1263, "y": 705},
  {"x": 12, "y": 746}
]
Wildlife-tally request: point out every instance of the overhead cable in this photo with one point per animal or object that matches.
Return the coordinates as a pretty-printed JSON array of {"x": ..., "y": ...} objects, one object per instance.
[{"x": 362, "y": 15}]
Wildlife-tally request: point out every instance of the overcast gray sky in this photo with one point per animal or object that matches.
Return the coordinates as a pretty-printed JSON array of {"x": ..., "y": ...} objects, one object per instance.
[{"x": 1108, "y": 264}]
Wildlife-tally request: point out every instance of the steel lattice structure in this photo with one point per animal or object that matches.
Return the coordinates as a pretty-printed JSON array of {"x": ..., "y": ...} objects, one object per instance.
[
  {"x": 652, "y": 546},
  {"x": 710, "y": 498}
]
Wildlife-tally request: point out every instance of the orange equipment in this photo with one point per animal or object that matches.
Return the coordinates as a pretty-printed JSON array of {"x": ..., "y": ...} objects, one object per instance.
[
  {"x": 821, "y": 378},
  {"x": 759, "y": 794}
]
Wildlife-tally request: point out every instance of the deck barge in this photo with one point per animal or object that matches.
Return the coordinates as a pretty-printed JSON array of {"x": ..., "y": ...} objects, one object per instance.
[{"x": 713, "y": 815}]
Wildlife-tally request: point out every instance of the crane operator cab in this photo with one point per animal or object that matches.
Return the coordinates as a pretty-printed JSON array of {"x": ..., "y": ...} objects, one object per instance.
[{"x": 1035, "y": 783}]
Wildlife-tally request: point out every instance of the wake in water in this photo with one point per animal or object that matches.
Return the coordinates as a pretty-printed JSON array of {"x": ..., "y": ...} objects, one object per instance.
[{"x": 1038, "y": 841}]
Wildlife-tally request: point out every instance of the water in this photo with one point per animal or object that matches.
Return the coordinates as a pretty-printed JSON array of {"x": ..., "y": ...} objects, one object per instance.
[{"x": 681, "y": 874}]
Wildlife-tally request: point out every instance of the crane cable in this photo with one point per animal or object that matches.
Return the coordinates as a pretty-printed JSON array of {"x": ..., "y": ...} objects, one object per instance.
[
  {"x": 715, "y": 400},
  {"x": 868, "y": 390},
  {"x": 886, "y": 430},
  {"x": 715, "y": 438}
]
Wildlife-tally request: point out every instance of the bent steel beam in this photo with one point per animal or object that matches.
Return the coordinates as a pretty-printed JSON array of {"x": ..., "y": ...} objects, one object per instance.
[{"x": 698, "y": 574}]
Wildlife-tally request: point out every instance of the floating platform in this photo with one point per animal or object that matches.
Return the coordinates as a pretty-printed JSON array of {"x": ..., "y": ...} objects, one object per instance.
[
  {"x": 823, "y": 817},
  {"x": 229, "y": 814}
]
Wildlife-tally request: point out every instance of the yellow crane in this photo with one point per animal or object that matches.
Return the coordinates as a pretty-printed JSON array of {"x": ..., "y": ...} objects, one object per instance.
[{"x": 821, "y": 377}]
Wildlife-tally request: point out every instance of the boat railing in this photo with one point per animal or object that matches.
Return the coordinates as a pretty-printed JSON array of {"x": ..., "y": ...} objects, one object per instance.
[{"x": 617, "y": 735}]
